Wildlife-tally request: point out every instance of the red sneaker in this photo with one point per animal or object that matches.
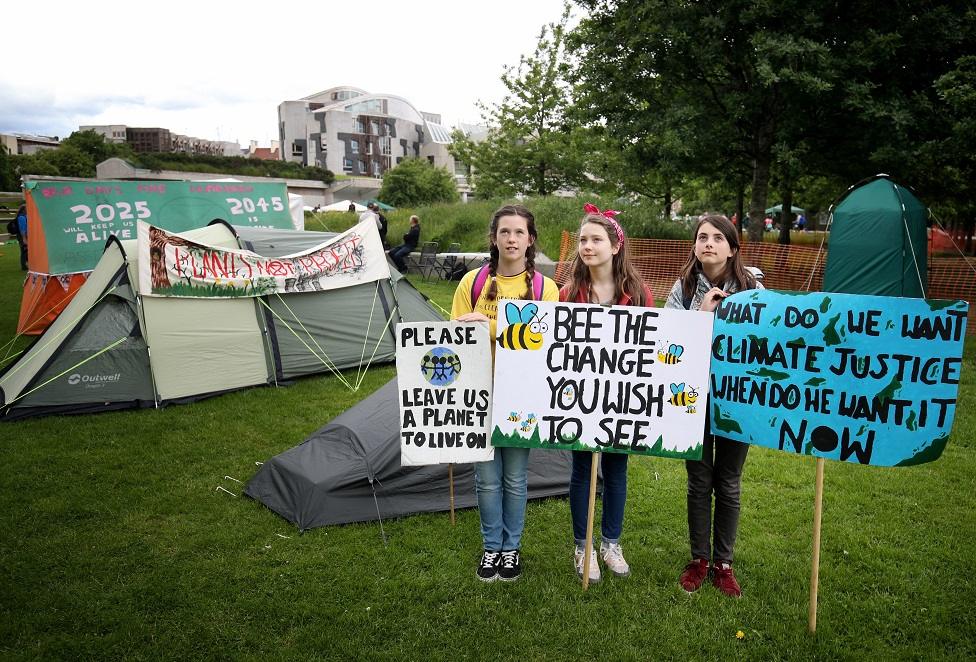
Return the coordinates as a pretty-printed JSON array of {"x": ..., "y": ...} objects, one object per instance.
[
  {"x": 724, "y": 580},
  {"x": 694, "y": 575}
]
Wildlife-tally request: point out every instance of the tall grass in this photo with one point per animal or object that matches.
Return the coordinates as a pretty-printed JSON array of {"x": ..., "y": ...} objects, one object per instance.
[{"x": 117, "y": 544}]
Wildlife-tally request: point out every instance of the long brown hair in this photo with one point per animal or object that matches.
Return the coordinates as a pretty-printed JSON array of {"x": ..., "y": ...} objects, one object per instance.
[
  {"x": 626, "y": 280},
  {"x": 511, "y": 210},
  {"x": 734, "y": 270}
]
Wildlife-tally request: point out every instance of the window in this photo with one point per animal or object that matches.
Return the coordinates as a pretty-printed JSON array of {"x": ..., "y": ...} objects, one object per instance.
[
  {"x": 376, "y": 127},
  {"x": 297, "y": 149},
  {"x": 364, "y": 167},
  {"x": 358, "y": 125},
  {"x": 367, "y": 146},
  {"x": 385, "y": 145},
  {"x": 377, "y": 169},
  {"x": 430, "y": 159},
  {"x": 354, "y": 146},
  {"x": 347, "y": 165}
]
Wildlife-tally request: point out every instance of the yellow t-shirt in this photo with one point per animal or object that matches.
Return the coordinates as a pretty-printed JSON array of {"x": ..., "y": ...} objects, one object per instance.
[{"x": 509, "y": 287}]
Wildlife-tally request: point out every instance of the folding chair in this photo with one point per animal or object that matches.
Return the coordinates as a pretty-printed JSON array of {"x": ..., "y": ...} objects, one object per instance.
[
  {"x": 445, "y": 267},
  {"x": 426, "y": 261}
]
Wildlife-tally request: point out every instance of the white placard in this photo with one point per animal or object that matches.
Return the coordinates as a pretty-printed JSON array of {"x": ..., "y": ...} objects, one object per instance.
[
  {"x": 444, "y": 381},
  {"x": 601, "y": 378}
]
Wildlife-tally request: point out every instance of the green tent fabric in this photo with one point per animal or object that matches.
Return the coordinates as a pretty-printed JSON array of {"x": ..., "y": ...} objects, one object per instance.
[
  {"x": 877, "y": 242},
  {"x": 96, "y": 355}
]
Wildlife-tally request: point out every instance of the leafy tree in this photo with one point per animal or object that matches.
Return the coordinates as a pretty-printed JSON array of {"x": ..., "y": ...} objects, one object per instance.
[
  {"x": 532, "y": 143},
  {"x": 700, "y": 88},
  {"x": 8, "y": 180},
  {"x": 94, "y": 144},
  {"x": 416, "y": 182}
]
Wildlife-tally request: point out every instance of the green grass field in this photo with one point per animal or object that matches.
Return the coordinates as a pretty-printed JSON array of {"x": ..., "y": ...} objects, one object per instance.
[{"x": 116, "y": 544}]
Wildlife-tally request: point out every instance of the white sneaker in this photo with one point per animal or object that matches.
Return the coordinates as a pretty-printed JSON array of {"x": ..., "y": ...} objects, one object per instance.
[
  {"x": 594, "y": 565},
  {"x": 613, "y": 557}
]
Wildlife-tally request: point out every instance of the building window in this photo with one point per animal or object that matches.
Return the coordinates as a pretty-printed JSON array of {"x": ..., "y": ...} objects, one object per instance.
[
  {"x": 364, "y": 167},
  {"x": 347, "y": 165},
  {"x": 430, "y": 159},
  {"x": 376, "y": 127},
  {"x": 359, "y": 126},
  {"x": 385, "y": 145},
  {"x": 354, "y": 146},
  {"x": 377, "y": 169},
  {"x": 297, "y": 149}
]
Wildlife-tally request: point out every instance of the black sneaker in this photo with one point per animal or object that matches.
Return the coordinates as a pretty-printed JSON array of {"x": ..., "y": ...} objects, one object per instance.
[
  {"x": 488, "y": 568},
  {"x": 511, "y": 566}
]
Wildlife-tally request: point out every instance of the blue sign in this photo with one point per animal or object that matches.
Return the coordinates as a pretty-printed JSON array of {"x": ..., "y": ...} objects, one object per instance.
[{"x": 856, "y": 378}]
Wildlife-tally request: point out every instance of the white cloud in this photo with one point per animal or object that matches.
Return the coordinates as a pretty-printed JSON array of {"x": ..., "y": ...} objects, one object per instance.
[{"x": 220, "y": 69}]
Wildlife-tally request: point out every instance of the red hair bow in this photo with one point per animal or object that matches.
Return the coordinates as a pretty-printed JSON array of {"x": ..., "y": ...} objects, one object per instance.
[
  {"x": 591, "y": 208},
  {"x": 610, "y": 215}
]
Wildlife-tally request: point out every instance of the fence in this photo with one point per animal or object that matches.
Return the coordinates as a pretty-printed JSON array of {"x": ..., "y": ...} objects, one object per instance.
[{"x": 798, "y": 268}]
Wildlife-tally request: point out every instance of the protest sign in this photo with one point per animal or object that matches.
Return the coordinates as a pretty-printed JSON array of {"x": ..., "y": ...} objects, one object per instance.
[
  {"x": 174, "y": 266},
  {"x": 444, "y": 379},
  {"x": 75, "y": 218},
  {"x": 596, "y": 378},
  {"x": 863, "y": 379}
]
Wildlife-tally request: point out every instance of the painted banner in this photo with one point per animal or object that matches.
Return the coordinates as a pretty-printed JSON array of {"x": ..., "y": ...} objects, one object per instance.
[
  {"x": 77, "y": 217},
  {"x": 174, "y": 266},
  {"x": 444, "y": 378},
  {"x": 856, "y": 378},
  {"x": 588, "y": 377}
]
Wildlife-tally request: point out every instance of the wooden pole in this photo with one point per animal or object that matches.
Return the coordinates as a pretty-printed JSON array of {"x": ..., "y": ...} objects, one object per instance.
[
  {"x": 588, "y": 545},
  {"x": 450, "y": 482},
  {"x": 815, "y": 571}
]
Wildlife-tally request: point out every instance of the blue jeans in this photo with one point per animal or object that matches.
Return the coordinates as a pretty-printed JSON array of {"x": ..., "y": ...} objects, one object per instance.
[
  {"x": 501, "y": 486},
  {"x": 399, "y": 256},
  {"x": 614, "y": 467}
]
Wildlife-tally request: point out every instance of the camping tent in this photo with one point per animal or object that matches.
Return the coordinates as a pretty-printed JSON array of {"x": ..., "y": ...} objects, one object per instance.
[
  {"x": 349, "y": 471},
  {"x": 877, "y": 241},
  {"x": 95, "y": 356}
]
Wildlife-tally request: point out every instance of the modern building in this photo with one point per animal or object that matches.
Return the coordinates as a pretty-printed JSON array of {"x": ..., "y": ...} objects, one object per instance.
[{"x": 353, "y": 132}]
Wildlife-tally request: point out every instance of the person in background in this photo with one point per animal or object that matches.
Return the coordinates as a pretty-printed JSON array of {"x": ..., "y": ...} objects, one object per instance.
[
  {"x": 22, "y": 235},
  {"x": 410, "y": 241},
  {"x": 602, "y": 273},
  {"x": 380, "y": 224}
]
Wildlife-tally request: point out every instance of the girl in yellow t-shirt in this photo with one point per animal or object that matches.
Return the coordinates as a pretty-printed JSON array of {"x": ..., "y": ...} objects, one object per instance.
[{"x": 501, "y": 483}]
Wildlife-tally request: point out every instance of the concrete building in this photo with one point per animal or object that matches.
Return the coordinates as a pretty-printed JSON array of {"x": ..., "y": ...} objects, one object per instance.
[
  {"x": 26, "y": 143},
  {"x": 156, "y": 139},
  {"x": 355, "y": 133}
]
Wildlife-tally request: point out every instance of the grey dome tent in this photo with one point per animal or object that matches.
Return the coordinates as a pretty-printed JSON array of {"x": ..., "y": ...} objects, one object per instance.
[
  {"x": 112, "y": 348},
  {"x": 349, "y": 471},
  {"x": 878, "y": 241}
]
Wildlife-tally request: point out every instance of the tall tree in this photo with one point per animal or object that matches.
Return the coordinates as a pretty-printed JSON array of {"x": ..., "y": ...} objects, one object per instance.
[
  {"x": 530, "y": 146},
  {"x": 416, "y": 182},
  {"x": 719, "y": 76}
]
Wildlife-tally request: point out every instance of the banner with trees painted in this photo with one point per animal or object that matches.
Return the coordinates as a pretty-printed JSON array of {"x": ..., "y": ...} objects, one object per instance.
[
  {"x": 444, "y": 380},
  {"x": 856, "y": 378},
  {"x": 588, "y": 377},
  {"x": 172, "y": 265}
]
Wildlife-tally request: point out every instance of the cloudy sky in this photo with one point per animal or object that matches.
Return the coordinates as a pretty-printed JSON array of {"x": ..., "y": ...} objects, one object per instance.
[{"x": 218, "y": 70}]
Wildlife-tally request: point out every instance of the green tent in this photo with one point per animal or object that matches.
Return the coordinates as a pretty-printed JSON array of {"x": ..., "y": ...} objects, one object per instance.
[
  {"x": 96, "y": 355},
  {"x": 877, "y": 241}
]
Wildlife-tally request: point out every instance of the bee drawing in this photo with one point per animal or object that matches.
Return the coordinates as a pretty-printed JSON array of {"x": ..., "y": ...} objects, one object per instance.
[
  {"x": 682, "y": 398},
  {"x": 672, "y": 356},
  {"x": 525, "y": 328},
  {"x": 530, "y": 419},
  {"x": 514, "y": 417},
  {"x": 526, "y": 426}
]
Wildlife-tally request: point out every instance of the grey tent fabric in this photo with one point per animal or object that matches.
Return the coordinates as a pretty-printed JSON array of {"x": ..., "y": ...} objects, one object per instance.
[{"x": 330, "y": 478}]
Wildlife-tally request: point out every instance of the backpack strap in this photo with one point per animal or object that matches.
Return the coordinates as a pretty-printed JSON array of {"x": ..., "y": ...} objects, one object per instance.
[
  {"x": 478, "y": 285},
  {"x": 538, "y": 284}
]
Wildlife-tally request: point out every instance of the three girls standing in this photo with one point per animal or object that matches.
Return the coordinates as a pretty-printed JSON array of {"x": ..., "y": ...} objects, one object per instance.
[{"x": 601, "y": 273}]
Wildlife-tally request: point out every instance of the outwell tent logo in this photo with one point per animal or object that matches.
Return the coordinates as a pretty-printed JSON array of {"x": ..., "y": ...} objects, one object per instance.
[{"x": 93, "y": 381}]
